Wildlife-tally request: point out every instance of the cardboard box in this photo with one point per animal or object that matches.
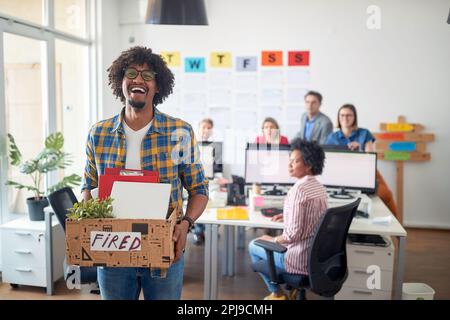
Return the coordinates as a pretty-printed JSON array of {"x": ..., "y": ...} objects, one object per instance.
[{"x": 121, "y": 242}]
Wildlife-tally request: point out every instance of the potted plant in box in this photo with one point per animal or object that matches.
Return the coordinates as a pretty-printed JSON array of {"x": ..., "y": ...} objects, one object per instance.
[
  {"x": 92, "y": 209},
  {"x": 51, "y": 158}
]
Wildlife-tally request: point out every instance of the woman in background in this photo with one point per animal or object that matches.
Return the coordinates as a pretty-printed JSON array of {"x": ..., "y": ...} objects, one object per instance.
[
  {"x": 205, "y": 129},
  {"x": 349, "y": 133},
  {"x": 205, "y": 132},
  {"x": 271, "y": 133},
  {"x": 359, "y": 139}
]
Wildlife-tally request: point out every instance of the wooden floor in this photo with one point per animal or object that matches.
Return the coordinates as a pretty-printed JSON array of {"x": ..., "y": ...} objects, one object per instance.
[{"x": 427, "y": 261}]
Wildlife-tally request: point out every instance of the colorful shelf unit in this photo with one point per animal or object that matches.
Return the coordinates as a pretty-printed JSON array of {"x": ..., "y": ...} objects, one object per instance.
[{"x": 402, "y": 142}]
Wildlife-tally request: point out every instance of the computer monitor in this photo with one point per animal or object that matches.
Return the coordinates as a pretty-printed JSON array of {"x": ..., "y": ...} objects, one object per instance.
[
  {"x": 211, "y": 157},
  {"x": 218, "y": 161},
  {"x": 350, "y": 170},
  {"x": 331, "y": 147},
  {"x": 267, "y": 164}
]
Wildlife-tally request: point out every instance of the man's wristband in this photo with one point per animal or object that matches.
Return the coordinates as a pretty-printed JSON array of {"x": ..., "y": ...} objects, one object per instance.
[{"x": 189, "y": 220}]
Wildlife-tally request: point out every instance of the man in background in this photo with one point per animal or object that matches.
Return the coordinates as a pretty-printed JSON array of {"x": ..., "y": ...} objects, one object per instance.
[{"x": 314, "y": 125}]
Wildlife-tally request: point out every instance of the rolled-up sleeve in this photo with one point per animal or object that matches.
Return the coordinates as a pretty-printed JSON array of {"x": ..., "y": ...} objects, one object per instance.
[
  {"x": 90, "y": 177},
  {"x": 192, "y": 174},
  {"x": 369, "y": 137}
]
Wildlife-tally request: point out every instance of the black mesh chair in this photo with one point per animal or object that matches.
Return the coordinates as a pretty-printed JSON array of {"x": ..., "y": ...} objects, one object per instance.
[
  {"x": 327, "y": 257},
  {"x": 61, "y": 200}
]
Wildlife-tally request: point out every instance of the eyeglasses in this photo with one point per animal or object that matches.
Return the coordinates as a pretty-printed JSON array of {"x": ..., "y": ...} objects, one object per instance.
[{"x": 147, "y": 75}]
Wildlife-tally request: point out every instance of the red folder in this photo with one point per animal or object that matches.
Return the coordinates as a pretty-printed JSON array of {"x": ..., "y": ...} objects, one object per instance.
[{"x": 118, "y": 174}]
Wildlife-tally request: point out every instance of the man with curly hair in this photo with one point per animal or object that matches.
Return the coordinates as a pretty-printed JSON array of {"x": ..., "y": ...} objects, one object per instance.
[{"x": 142, "y": 137}]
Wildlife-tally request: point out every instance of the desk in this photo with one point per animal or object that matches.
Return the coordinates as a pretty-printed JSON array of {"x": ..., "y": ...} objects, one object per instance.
[{"x": 256, "y": 220}]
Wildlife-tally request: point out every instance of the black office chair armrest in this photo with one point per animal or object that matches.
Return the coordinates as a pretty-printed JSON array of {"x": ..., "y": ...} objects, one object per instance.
[{"x": 271, "y": 246}]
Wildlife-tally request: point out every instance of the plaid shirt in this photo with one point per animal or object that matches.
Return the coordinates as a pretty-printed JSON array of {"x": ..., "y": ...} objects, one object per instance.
[{"x": 169, "y": 147}]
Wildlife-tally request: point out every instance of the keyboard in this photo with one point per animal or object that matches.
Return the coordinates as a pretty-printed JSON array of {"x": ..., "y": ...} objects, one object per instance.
[
  {"x": 368, "y": 240},
  {"x": 270, "y": 212}
]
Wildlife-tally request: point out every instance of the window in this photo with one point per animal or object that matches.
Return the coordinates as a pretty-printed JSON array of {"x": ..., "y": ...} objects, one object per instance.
[
  {"x": 24, "y": 110},
  {"x": 46, "y": 87},
  {"x": 30, "y": 10},
  {"x": 70, "y": 16},
  {"x": 72, "y": 100}
]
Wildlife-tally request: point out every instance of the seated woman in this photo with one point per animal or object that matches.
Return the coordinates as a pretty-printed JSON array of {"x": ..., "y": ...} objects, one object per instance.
[
  {"x": 305, "y": 204},
  {"x": 271, "y": 133},
  {"x": 362, "y": 140}
]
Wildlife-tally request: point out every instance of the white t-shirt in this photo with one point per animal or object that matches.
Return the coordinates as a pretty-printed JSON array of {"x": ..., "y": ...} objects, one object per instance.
[{"x": 134, "y": 141}]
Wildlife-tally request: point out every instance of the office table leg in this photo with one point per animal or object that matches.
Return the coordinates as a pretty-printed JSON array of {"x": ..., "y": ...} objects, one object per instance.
[
  {"x": 241, "y": 237},
  {"x": 225, "y": 250},
  {"x": 211, "y": 259},
  {"x": 228, "y": 251},
  {"x": 214, "y": 262},
  {"x": 207, "y": 271},
  {"x": 400, "y": 268},
  {"x": 49, "y": 251},
  {"x": 231, "y": 251}
]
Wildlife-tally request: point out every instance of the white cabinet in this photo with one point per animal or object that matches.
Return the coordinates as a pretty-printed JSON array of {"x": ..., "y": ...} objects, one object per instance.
[
  {"x": 26, "y": 252},
  {"x": 362, "y": 283},
  {"x": 350, "y": 293}
]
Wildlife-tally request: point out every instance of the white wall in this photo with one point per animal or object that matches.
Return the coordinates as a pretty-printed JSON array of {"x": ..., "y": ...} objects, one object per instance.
[
  {"x": 109, "y": 49},
  {"x": 401, "y": 69}
]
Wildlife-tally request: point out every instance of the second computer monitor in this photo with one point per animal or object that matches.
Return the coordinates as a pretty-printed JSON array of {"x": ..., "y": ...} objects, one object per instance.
[
  {"x": 350, "y": 170},
  {"x": 265, "y": 164}
]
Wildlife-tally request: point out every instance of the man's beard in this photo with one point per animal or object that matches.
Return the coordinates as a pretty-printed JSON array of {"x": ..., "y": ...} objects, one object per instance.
[{"x": 136, "y": 104}]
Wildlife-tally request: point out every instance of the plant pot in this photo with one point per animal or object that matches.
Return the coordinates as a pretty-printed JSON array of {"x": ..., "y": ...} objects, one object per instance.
[{"x": 36, "y": 208}]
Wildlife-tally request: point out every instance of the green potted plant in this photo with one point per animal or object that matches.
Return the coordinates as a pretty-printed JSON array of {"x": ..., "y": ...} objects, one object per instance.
[
  {"x": 51, "y": 158},
  {"x": 92, "y": 209}
]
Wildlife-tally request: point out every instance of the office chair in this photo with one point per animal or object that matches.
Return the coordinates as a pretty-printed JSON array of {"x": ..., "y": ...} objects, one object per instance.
[
  {"x": 61, "y": 200},
  {"x": 327, "y": 257}
]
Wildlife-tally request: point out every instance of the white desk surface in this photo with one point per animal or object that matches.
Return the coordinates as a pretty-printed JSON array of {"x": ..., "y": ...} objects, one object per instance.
[
  {"x": 359, "y": 225},
  {"x": 24, "y": 223},
  {"x": 256, "y": 220}
]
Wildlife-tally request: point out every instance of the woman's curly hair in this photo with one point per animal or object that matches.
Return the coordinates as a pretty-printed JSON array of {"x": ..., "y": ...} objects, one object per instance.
[
  {"x": 312, "y": 154},
  {"x": 140, "y": 55}
]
